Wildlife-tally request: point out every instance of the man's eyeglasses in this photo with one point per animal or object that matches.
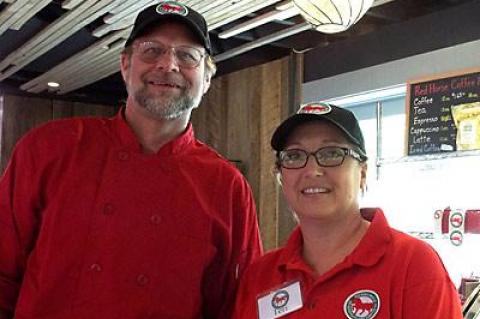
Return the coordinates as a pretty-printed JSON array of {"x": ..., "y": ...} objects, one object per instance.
[
  {"x": 329, "y": 156},
  {"x": 150, "y": 52}
]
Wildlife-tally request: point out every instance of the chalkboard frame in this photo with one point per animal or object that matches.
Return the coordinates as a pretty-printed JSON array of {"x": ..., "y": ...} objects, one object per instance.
[{"x": 410, "y": 110}]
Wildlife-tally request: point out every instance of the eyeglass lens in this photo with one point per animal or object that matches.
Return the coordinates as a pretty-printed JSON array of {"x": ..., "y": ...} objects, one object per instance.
[
  {"x": 326, "y": 157},
  {"x": 151, "y": 52}
]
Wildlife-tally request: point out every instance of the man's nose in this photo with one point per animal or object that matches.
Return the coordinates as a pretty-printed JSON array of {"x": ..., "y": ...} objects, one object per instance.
[{"x": 168, "y": 61}]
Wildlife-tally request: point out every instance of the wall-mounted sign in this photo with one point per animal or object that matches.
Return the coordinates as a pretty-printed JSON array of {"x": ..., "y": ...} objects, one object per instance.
[
  {"x": 455, "y": 223},
  {"x": 443, "y": 113}
]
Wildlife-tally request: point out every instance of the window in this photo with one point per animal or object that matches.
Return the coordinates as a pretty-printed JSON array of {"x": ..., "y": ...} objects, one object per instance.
[{"x": 411, "y": 189}]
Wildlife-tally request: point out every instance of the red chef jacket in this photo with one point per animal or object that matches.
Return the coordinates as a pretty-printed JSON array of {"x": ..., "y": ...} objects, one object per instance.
[{"x": 91, "y": 227}]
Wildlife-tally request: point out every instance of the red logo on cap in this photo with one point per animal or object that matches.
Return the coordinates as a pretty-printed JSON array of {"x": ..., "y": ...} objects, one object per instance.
[
  {"x": 315, "y": 109},
  {"x": 172, "y": 7}
]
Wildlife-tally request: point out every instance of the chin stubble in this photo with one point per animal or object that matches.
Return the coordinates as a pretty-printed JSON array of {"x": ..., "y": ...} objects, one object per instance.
[{"x": 167, "y": 108}]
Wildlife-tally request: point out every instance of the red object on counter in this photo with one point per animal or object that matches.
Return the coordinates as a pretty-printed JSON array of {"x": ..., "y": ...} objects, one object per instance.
[{"x": 472, "y": 221}]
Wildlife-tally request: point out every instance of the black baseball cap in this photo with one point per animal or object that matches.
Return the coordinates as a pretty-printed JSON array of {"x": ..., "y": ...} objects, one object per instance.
[
  {"x": 171, "y": 10},
  {"x": 340, "y": 117}
]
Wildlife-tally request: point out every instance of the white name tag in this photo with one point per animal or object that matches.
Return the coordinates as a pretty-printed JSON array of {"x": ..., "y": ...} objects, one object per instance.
[{"x": 280, "y": 302}]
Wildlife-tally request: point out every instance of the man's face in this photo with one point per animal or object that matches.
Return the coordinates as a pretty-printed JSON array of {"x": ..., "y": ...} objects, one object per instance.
[{"x": 163, "y": 88}]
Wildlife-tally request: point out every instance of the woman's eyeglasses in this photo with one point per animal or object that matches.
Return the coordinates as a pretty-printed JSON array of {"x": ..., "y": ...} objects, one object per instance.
[
  {"x": 150, "y": 52},
  {"x": 329, "y": 156}
]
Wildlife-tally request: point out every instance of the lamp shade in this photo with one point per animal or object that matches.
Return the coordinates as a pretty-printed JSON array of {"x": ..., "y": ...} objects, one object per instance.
[{"x": 332, "y": 16}]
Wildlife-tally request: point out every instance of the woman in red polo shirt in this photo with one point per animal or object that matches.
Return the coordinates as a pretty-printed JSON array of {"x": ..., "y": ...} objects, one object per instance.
[{"x": 341, "y": 261}]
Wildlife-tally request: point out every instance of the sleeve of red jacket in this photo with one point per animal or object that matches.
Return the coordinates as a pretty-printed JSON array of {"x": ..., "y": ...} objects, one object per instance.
[
  {"x": 18, "y": 223},
  {"x": 244, "y": 247},
  {"x": 429, "y": 291}
]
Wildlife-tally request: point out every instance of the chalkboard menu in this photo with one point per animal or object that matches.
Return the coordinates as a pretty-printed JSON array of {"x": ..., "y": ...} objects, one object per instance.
[{"x": 436, "y": 108}]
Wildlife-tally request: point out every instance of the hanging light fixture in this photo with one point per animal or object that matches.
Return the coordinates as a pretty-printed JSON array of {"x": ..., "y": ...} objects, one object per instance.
[{"x": 332, "y": 16}]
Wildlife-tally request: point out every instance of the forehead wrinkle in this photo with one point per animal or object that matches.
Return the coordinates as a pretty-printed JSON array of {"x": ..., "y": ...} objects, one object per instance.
[
  {"x": 319, "y": 131},
  {"x": 323, "y": 143},
  {"x": 171, "y": 31}
]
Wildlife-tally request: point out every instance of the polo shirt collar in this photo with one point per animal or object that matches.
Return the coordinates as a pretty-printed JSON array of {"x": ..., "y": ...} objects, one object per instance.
[
  {"x": 128, "y": 138},
  {"x": 368, "y": 252},
  {"x": 375, "y": 242},
  {"x": 291, "y": 257}
]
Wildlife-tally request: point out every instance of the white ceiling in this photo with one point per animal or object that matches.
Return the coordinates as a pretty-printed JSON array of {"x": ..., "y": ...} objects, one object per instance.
[{"x": 100, "y": 60}]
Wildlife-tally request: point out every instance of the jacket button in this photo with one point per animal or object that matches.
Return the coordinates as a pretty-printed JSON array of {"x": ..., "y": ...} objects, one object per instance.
[
  {"x": 156, "y": 219},
  {"x": 108, "y": 209},
  {"x": 95, "y": 267},
  {"x": 123, "y": 155},
  {"x": 142, "y": 280}
]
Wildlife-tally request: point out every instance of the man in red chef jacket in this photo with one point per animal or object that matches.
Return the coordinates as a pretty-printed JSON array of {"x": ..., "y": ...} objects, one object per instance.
[{"x": 131, "y": 216}]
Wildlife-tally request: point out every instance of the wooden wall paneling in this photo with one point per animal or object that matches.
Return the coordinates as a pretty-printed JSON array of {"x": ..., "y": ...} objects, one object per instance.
[
  {"x": 65, "y": 109},
  {"x": 273, "y": 97},
  {"x": 62, "y": 109},
  {"x": 238, "y": 103},
  {"x": 251, "y": 103},
  {"x": 237, "y": 117},
  {"x": 209, "y": 118},
  {"x": 20, "y": 114},
  {"x": 88, "y": 109},
  {"x": 292, "y": 85}
]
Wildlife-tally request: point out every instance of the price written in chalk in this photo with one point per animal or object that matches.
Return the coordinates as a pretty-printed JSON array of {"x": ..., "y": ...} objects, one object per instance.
[
  {"x": 431, "y": 126},
  {"x": 458, "y": 95},
  {"x": 445, "y": 118}
]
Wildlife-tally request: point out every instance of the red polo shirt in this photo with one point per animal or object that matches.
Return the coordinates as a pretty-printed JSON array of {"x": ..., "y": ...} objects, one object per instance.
[
  {"x": 389, "y": 275},
  {"x": 91, "y": 227}
]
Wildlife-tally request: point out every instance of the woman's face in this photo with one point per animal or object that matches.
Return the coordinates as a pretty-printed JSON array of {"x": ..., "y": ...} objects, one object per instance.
[{"x": 322, "y": 193}]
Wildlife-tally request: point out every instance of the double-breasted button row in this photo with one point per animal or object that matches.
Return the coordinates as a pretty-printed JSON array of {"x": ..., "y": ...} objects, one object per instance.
[
  {"x": 108, "y": 209},
  {"x": 141, "y": 279}
]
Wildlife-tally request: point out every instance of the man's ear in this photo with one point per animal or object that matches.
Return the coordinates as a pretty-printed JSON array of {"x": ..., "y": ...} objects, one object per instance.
[
  {"x": 206, "y": 83},
  {"x": 124, "y": 65}
]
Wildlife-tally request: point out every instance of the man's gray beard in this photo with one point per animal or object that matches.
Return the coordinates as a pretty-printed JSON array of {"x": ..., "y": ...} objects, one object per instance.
[{"x": 164, "y": 108}]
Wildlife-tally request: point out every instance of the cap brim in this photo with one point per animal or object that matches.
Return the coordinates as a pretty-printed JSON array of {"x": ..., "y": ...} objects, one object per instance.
[
  {"x": 283, "y": 131},
  {"x": 172, "y": 17}
]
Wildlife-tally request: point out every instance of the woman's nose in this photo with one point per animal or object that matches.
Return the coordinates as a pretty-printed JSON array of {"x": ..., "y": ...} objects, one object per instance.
[{"x": 313, "y": 167}]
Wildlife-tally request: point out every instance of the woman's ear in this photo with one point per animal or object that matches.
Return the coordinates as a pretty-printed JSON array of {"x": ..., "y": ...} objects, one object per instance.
[
  {"x": 277, "y": 174},
  {"x": 278, "y": 177},
  {"x": 363, "y": 176}
]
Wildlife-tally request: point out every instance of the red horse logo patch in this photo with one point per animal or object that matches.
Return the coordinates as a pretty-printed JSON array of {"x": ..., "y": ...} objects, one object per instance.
[{"x": 362, "y": 304}]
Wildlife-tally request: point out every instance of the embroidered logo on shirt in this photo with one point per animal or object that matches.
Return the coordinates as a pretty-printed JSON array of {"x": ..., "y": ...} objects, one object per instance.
[
  {"x": 280, "y": 299},
  {"x": 362, "y": 304},
  {"x": 169, "y": 7}
]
